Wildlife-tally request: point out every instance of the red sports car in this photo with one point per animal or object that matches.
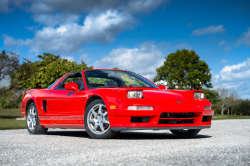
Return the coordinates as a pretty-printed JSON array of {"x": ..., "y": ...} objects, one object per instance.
[{"x": 105, "y": 102}]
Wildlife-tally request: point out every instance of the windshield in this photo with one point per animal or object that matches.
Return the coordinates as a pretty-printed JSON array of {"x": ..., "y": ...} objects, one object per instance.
[
  {"x": 52, "y": 84},
  {"x": 111, "y": 78}
]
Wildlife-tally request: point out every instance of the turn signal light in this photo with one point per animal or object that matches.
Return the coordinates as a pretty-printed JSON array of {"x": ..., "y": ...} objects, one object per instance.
[{"x": 112, "y": 107}]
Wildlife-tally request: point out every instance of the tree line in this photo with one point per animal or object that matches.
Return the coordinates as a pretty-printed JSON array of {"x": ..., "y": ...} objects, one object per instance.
[{"x": 182, "y": 69}]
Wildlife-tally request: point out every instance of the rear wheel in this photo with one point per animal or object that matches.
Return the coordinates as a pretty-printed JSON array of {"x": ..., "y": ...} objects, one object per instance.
[
  {"x": 186, "y": 132},
  {"x": 33, "y": 122},
  {"x": 96, "y": 121}
]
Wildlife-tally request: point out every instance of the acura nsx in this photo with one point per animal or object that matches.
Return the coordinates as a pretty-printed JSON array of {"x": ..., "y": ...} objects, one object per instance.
[{"x": 105, "y": 102}]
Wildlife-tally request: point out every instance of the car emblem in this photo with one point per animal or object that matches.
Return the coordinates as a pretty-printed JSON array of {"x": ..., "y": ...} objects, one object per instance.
[{"x": 178, "y": 102}]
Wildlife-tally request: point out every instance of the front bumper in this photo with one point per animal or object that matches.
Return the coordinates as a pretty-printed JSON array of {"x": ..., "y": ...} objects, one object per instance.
[
  {"x": 158, "y": 128},
  {"x": 123, "y": 120}
]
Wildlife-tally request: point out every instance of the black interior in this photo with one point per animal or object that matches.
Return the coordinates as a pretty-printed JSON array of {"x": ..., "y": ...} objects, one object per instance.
[
  {"x": 73, "y": 75},
  {"x": 78, "y": 82},
  {"x": 111, "y": 84}
]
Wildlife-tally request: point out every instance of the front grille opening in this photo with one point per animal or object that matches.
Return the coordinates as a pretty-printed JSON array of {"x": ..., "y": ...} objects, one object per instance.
[
  {"x": 176, "y": 121},
  {"x": 139, "y": 119},
  {"x": 177, "y": 115},
  {"x": 206, "y": 118}
]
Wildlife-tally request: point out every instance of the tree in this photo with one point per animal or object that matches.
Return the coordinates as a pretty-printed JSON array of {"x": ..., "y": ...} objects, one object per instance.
[
  {"x": 232, "y": 101},
  {"x": 11, "y": 98},
  {"x": 223, "y": 95},
  {"x": 9, "y": 63},
  {"x": 185, "y": 70},
  {"x": 243, "y": 107},
  {"x": 46, "y": 71},
  {"x": 212, "y": 96}
]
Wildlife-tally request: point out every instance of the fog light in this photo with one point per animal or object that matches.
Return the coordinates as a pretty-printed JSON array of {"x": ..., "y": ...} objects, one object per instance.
[{"x": 140, "y": 108}]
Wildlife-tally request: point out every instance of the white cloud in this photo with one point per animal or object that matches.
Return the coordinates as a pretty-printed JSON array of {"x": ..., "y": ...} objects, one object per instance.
[
  {"x": 143, "y": 5},
  {"x": 209, "y": 30},
  {"x": 227, "y": 48},
  {"x": 143, "y": 60},
  {"x": 4, "y": 5},
  {"x": 30, "y": 28},
  {"x": 222, "y": 42},
  {"x": 189, "y": 25},
  {"x": 71, "y": 37},
  {"x": 85, "y": 58},
  {"x": 5, "y": 82},
  {"x": 56, "y": 19},
  {"x": 61, "y": 31},
  {"x": 224, "y": 61},
  {"x": 245, "y": 38},
  {"x": 69, "y": 58},
  {"x": 235, "y": 77},
  {"x": 183, "y": 46},
  {"x": 78, "y": 6}
]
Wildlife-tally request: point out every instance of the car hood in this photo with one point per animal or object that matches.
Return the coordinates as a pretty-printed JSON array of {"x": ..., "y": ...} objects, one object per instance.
[{"x": 176, "y": 99}]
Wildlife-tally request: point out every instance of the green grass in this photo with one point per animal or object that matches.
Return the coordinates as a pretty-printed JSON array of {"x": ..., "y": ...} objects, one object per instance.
[
  {"x": 220, "y": 117},
  {"x": 8, "y": 119},
  {"x": 10, "y": 113},
  {"x": 6, "y": 123}
]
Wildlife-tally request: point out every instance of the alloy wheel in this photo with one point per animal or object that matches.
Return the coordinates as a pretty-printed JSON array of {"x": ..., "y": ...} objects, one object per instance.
[
  {"x": 31, "y": 119},
  {"x": 97, "y": 119}
]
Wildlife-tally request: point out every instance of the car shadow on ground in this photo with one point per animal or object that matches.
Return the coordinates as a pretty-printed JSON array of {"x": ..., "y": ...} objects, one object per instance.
[{"x": 126, "y": 135}]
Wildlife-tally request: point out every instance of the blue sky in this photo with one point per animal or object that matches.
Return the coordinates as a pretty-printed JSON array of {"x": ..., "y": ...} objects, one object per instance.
[{"x": 135, "y": 34}]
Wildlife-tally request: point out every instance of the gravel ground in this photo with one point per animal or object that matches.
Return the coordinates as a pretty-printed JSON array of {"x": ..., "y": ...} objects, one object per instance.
[{"x": 226, "y": 143}]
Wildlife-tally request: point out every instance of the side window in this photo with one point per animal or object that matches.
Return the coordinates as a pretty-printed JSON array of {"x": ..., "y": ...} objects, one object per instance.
[{"x": 75, "y": 77}]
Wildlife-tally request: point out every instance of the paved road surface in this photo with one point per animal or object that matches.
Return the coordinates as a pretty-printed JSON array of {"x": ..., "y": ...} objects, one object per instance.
[{"x": 226, "y": 143}]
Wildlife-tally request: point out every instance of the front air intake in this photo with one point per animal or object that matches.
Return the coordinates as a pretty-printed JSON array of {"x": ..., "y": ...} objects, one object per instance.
[{"x": 177, "y": 118}]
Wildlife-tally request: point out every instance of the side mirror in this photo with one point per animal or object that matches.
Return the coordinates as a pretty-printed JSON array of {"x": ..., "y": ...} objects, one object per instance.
[
  {"x": 72, "y": 86},
  {"x": 161, "y": 86}
]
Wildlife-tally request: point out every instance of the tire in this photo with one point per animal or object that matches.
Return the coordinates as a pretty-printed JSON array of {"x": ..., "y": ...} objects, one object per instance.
[
  {"x": 33, "y": 122},
  {"x": 96, "y": 121},
  {"x": 186, "y": 133}
]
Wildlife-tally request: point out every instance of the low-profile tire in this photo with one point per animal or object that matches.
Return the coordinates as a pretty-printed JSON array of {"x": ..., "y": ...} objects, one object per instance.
[
  {"x": 186, "y": 133},
  {"x": 96, "y": 121},
  {"x": 33, "y": 121}
]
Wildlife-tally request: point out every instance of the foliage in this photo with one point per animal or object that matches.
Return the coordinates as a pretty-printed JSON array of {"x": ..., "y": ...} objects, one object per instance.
[
  {"x": 185, "y": 70},
  {"x": 243, "y": 107},
  {"x": 212, "y": 95},
  {"x": 9, "y": 63},
  {"x": 223, "y": 92},
  {"x": 46, "y": 71},
  {"x": 11, "y": 98}
]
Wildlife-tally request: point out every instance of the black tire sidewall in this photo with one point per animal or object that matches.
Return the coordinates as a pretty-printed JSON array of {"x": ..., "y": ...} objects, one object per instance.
[{"x": 108, "y": 134}]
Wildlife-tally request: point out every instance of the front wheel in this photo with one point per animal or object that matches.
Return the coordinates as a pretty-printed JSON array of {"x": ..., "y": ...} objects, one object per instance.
[
  {"x": 33, "y": 122},
  {"x": 186, "y": 132},
  {"x": 96, "y": 121}
]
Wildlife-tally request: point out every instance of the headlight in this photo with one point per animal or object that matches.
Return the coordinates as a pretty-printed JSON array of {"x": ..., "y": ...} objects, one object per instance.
[
  {"x": 134, "y": 94},
  {"x": 198, "y": 95},
  {"x": 207, "y": 108},
  {"x": 140, "y": 108}
]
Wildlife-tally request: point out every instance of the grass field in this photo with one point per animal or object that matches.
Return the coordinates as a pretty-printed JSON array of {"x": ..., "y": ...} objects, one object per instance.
[
  {"x": 8, "y": 119},
  {"x": 220, "y": 117}
]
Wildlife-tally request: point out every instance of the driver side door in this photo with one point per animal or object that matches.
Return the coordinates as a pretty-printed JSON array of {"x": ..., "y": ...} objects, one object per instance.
[{"x": 67, "y": 106}]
